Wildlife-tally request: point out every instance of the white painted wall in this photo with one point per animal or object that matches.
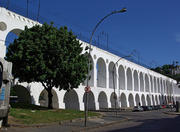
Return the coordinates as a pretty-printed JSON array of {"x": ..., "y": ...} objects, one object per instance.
[{"x": 127, "y": 77}]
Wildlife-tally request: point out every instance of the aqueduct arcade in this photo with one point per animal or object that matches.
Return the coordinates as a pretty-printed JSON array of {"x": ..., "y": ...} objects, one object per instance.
[{"x": 134, "y": 84}]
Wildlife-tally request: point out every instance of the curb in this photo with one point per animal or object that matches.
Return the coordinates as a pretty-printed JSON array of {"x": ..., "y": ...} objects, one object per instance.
[
  {"x": 101, "y": 125},
  {"x": 172, "y": 113},
  {"x": 55, "y": 123}
]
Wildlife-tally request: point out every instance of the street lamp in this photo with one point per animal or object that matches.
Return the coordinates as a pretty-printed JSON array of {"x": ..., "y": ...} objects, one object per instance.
[
  {"x": 115, "y": 97},
  {"x": 87, "y": 86}
]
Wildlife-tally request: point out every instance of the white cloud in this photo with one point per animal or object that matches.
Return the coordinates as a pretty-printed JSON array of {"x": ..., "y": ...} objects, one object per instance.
[{"x": 178, "y": 38}]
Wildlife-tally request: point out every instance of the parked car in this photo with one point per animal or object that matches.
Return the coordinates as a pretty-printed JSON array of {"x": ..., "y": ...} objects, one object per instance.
[
  {"x": 163, "y": 106},
  {"x": 150, "y": 107},
  {"x": 145, "y": 108},
  {"x": 13, "y": 99},
  {"x": 156, "y": 107},
  {"x": 159, "y": 106},
  {"x": 137, "y": 108}
]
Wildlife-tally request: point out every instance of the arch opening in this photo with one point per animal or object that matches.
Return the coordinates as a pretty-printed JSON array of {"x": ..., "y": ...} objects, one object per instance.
[
  {"x": 71, "y": 100},
  {"x": 113, "y": 100},
  {"x": 101, "y": 73},
  {"x": 112, "y": 69},
  {"x": 91, "y": 101},
  {"x": 141, "y": 82},
  {"x": 43, "y": 99},
  {"x": 123, "y": 100},
  {"x": 131, "y": 100},
  {"x": 156, "y": 100},
  {"x": 153, "y": 101},
  {"x": 147, "y": 83},
  {"x": 22, "y": 93},
  {"x": 148, "y": 100},
  {"x": 136, "y": 85},
  {"x": 121, "y": 72},
  {"x": 102, "y": 99},
  {"x": 151, "y": 82},
  {"x": 143, "y": 100},
  {"x": 129, "y": 79},
  {"x": 137, "y": 99},
  {"x": 155, "y": 85},
  {"x": 11, "y": 36}
]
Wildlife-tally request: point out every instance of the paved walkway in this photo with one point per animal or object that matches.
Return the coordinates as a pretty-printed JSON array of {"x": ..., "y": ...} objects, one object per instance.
[{"x": 108, "y": 118}]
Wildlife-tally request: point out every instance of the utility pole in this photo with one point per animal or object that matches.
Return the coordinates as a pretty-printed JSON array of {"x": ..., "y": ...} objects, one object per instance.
[{"x": 90, "y": 42}]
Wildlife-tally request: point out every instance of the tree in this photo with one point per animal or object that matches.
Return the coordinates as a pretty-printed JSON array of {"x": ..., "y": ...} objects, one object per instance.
[
  {"x": 167, "y": 70},
  {"x": 50, "y": 56}
]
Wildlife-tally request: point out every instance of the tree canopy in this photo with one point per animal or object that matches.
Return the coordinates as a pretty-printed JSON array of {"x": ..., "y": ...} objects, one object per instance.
[
  {"x": 167, "y": 70},
  {"x": 50, "y": 56}
]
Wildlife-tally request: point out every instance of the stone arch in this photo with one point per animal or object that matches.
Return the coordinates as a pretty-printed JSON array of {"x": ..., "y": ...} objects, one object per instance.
[
  {"x": 91, "y": 101},
  {"x": 102, "y": 99},
  {"x": 129, "y": 79},
  {"x": 136, "y": 84},
  {"x": 137, "y": 99},
  {"x": 153, "y": 101},
  {"x": 101, "y": 73},
  {"x": 151, "y": 81},
  {"x": 141, "y": 82},
  {"x": 91, "y": 73},
  {"x": 143, "y": 100},
  {"x": 111, "y": 66},
  {"x": 165, "y": 100},
  {"x": 11, "y": 36},
  {"x": 162, "y": 87},
  {"x": 155, "y": 85},
  {"x": 148, "y": 100},
  {"x": 16, "y": 31},
  {"x": 71, "y": 100},
  {"x": 158, "y": 86},
  {"x": 131, "y": 100},
  {"x": 43, "y": 99},
  {"x": 146, "y": 83},
  {"x": 123, "y": 100},
  {"x": 113, "y": 100},
  {"x": 22, "y": 93},
  {"x": 121, "y": 72},
  {"x": 156, "y": 99},
  {"x": 160, "y": 100}
]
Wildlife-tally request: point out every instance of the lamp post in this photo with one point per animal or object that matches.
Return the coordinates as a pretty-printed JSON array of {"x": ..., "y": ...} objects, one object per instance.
[
  {"x": 115, "y": 97},
  {"x": 87, "y": 86}
]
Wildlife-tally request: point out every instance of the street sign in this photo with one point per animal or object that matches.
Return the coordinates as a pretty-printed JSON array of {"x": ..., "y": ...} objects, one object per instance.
[{"x": 87, "y": 89}]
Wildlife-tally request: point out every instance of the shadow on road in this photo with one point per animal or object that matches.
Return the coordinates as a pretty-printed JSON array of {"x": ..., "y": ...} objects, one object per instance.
[{"x": 154, "y": 125}]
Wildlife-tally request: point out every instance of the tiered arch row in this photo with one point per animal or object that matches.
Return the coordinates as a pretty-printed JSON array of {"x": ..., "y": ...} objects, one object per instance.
[{"x": 115, "y": 81}]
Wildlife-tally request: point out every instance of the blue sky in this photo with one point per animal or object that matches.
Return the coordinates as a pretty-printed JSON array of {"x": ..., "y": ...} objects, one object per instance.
[{"x": 151, "y": 27}]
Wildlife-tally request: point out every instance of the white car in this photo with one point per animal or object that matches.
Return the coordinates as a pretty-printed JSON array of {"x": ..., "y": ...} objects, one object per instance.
[{"x": 137, "y": 108}]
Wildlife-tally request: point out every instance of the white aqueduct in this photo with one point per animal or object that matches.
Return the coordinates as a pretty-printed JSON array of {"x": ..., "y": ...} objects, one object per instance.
[{"x": 134, "y": 84}]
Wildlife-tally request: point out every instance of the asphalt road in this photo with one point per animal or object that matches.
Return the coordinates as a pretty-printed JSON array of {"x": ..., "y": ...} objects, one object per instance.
[{"x": 150, "y": 121}]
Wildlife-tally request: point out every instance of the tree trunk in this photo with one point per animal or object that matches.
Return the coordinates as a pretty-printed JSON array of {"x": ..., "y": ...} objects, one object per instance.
[{"x": 50, "y": 95}]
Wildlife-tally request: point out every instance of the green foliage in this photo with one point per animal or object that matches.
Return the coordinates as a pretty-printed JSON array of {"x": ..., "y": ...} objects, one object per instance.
[
  {"x": 31, "y": 114},
  {"x": 167, "y": 71},
  {"x": 48, "y": 55}
]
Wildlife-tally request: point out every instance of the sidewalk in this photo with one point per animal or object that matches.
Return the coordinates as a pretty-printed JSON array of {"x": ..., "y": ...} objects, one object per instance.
[{"x": 108, "y": 118}]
